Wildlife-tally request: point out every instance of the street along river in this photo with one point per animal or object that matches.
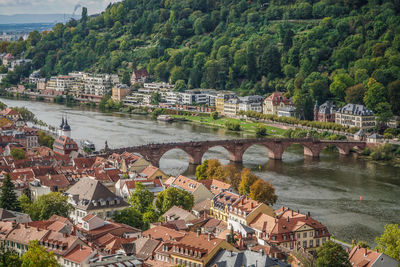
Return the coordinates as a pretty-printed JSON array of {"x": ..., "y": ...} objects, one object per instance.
[{"x": 329, "y": 187}]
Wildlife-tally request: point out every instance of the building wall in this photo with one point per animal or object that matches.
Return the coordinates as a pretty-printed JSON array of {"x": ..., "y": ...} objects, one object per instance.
[{"x": 349, "y": 120}]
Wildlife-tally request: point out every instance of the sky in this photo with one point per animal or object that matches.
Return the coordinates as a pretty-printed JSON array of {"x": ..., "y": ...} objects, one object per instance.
[{"x": 11, "y": 7}]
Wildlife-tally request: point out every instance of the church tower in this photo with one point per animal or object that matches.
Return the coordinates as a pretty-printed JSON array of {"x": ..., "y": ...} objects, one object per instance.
[
  {"x": 61, "y": 127},
  {"x": 66, "y": 131}
]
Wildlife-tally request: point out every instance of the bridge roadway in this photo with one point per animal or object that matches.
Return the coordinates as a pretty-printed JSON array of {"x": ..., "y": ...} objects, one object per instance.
[{"x": 237, "y": 147}]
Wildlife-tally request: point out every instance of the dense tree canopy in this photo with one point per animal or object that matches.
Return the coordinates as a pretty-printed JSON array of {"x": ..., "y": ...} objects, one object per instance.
[
  {"x": 173, "y": 197},
  {"x": 46, "y": 205},
  {"x": 389, "y": 241},
  {"x": 331, "y": 254},
  {"x": 241, "y": 45},
  {"x": 37, "y": 256}
]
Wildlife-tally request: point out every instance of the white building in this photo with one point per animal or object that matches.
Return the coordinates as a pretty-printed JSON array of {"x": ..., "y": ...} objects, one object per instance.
[
  {"x": 353, "y": 115},
  {"x": 251, "y": 103}
]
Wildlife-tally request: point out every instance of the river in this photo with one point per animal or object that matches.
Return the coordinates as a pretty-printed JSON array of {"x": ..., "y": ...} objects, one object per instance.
[{"x": 329, "y": 187}]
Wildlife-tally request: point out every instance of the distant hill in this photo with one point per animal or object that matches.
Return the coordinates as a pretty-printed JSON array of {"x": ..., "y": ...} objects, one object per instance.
[{"x": 35, "y": 18}]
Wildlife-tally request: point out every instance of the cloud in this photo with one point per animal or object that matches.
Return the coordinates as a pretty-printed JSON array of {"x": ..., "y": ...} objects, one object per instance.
[{"x": 9, "y": 7}]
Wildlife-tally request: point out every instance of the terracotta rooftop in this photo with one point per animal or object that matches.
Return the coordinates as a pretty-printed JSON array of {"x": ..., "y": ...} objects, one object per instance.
[
  {"x": 79, "y": 254},
  {"x": 185, "y": 183},
  {"x": 215, "y": 186},
  {"x": 362, "y": 257},
  {"x": 163, "y": 233}
]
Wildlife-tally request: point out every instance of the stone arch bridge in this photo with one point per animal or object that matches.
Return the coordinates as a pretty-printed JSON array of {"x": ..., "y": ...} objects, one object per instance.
[{"x": 237, "y": 147}]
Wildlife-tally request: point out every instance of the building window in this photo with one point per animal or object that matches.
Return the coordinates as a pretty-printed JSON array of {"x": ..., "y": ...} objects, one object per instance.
[
  {"x": 304, "y": 235},
  {"x": 298, "y": 235},
  {"x": 317, "y": 242},
  {"x": 304, "y": 244},
  {"x": 311, "y": 234},
  {"x": 311, "y": 243}
]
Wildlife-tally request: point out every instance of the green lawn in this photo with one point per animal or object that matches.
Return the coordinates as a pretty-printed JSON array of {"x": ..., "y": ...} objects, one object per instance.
[{"x": 246, "y": 126}]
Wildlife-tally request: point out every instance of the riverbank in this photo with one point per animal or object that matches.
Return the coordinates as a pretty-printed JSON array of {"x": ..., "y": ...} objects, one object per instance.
[{"x": 221, "y": 122}]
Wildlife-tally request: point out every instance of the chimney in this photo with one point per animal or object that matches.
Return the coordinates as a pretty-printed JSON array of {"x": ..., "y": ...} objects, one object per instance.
[
  {"x": 306, "y": 216},
  {"x": 198, "y": 232},
  {"x": 242, "y": 201},
  {"x": 287, "y": 219},
  {"x": 252, "y": 205},
  {"x": 309, "y": 214},
  {"x": 292, "y": 213},
  {"x": 209, "y": 236}
]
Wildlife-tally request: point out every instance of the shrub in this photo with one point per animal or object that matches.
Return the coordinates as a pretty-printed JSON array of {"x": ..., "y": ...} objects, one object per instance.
[
  {"x": 214, "y": 115},
  {"x": 388, "y": 136},
  {"x": 261, "y": 131},
  {"x": 233, "y": 126}
]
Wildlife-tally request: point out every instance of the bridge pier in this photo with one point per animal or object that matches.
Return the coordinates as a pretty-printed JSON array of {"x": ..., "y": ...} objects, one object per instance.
[
  {"x": 314, "y": 153},
  {"x": 275, "y": 155}
]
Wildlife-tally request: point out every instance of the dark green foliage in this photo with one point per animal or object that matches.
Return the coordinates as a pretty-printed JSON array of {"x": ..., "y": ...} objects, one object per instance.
[
  {"x": 233, "y": 126},
  {"x": 239, "y": 45},
  {"x": 8, "y": 198},
  {"x": 129, "y": 216},
  {"x": 332, "y": 254},
  {"x": 261, "y": 131},
  {"x": 9, "y": 257},
  {"x": 46, "y": 205},
  {"x": 214, "y": 115},
  {"x": 173, "y": 197},
  {"x": 45, "y": 139},
  {"x": 18, "y": 154}
]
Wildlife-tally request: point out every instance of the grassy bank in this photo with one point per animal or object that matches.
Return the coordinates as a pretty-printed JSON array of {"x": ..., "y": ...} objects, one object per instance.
[{"x": 245, "y": 126}]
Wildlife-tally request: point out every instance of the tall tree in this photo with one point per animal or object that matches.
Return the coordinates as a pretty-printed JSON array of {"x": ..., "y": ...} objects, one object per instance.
[
  {"x": 173, "y": 197},
  {"x": 271, "y": 62},
  {"x": 355, "y": 94},
  {"x": 141, "y": 198},
  {"x": 394, "y": 96},
  {"x": 263, "y": 191},
  {"x": 251, "y": 62},
  {"x": 248, "y": 179},
  {"x": 389, "y": 241},
  {"x": 130, "y": 216},
  {"x": 37, "y": 256},
  {"x": 47, "y": 205},
  {"x": 303, "y": 103},
  {"x": 375, "y": 94},
  {"x": 332, "y": 254},
  {"x": 8, "y": 198}
]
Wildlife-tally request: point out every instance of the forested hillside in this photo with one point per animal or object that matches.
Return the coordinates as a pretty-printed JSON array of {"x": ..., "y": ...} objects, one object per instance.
[{"x": 345, "y": 50}]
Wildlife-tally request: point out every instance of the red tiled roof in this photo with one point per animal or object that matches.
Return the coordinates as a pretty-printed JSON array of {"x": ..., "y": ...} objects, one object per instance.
[
  {"x": 83, "y": 163},
  {"x": 186, "y": 183},
  {"x": 9, "y": 112},
  {"x": 163, "y": 233},
  {"x": 79, "y": 254},
  {"x": 215, "y": 186},
  {"x": 150, "y": 171},
  {"x": 362, "y": 257},
  {"x": 277, "y": 98}
]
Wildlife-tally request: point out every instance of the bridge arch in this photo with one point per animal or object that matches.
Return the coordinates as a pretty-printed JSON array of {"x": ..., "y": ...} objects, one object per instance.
[
  {"x": 264, "y": 151},
  {"x": 232, "y": 155},
  {"x": 162, "y": 152},
  {"x": 308, "y": 147}
]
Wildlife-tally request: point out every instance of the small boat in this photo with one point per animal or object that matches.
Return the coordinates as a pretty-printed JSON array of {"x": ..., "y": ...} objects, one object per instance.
[
  {"x": 88, "y": 144},
  {"x": 165, "y": 118}
]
